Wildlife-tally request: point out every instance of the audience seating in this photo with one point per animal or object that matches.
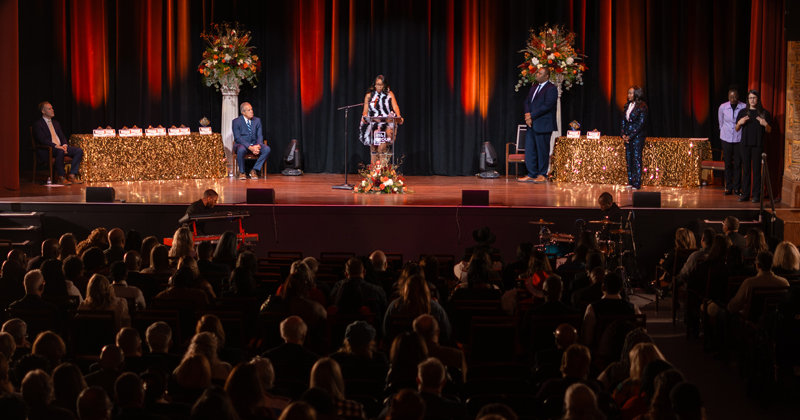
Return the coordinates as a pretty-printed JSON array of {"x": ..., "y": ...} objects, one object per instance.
[
  {"x": 90, "y": 331},
  {"x": 492, "y": 339}
]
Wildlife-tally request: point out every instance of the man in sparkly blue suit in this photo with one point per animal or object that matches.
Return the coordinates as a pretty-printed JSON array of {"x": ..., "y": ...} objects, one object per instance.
[{"x": 634, "y": 122}]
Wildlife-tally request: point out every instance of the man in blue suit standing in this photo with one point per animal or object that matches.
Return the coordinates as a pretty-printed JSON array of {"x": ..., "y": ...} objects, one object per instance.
[
  {"x": 540, "y": 116},
  {"x": 47, "y": 131},
  {"x": 247, "y": 138}
]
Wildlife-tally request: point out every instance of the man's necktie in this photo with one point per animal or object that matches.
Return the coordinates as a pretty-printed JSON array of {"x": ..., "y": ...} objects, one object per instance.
[
  {"x": 249, "y": 129},
  {"x": 53, "y": 135},
  {"x": 536, "y": 93}
]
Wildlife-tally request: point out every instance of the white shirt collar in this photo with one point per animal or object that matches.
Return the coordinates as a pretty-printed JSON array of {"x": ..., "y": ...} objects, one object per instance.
[{"x": 46, "y": 119}]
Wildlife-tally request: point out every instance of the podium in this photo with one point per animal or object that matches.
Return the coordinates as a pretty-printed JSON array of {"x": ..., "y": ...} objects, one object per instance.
[{"x": 382, "y": 135}]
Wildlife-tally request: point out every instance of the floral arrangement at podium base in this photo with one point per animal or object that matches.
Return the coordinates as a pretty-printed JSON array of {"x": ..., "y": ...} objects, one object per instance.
[{"x": 381, "y": 178}]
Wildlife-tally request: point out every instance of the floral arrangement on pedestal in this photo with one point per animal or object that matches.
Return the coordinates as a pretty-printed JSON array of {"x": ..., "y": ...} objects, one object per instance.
[
  {"x": 381, "y": 178},
  {"x": 228, "y": 59},
  {"x": 552, "y": 47}
]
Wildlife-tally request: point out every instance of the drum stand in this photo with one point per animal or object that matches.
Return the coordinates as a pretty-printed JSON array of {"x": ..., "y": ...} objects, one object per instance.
[{"x": 629, "y": 289}]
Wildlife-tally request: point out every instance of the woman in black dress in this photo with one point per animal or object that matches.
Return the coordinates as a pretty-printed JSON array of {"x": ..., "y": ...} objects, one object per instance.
[{"x": 754, "y": 122}]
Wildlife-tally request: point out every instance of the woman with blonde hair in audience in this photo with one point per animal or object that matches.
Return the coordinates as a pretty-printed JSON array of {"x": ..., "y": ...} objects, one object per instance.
[
  {"x": 50, "y": 346},
  {"x": 266, "y": 374},
  {"x": 190, "y": 378},
  {"x": 684, "y": 239},
  {"x": 148, "y": 244},
  {"x": 159, "y": 262},
  {"x": 640, "y": 356},
  {"x": 247, "y": 396},
  {"x": 212, "y": 324},
  {"x": 98, "y": 238},
  {"x": 786, "y": 260},
  {"x": 327, "y": 374},
  {"x": 182, "y": 245},
  {"x": 205, "y": 343},
  {"x": 415, "y": 300},
  {"x": 100, "y": 296},
  {"x": 67, "y": 245},
  {"x": 755, "y": 243},
  {"x": 580, "y": 403}
]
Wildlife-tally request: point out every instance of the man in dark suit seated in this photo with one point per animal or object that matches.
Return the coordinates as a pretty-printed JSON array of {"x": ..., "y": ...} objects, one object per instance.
[
  {"x": 47, "y": 132},
  {"x": 731, "y": 229},
  {"x": 32, "y": 301},
  {"x": 49, "y": 251},
  {"x": 111, "y": 362},
  {"x": 291, "y": 360},
  {"x": 131, "y": 344},
  {"x": 248, "y": 138},
  {"x": 116, "y": 246},
  {"x": 431, "y": 378}
]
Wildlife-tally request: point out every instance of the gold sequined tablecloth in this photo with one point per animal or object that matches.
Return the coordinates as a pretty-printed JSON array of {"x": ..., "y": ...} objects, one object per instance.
[
  {"x": 149, "y": 158},
  {"x": 669, "y": 162}
]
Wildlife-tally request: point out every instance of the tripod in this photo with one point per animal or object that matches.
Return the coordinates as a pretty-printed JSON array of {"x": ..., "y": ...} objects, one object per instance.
[
  {"x": 629, "y": 289},
  {"x": 345, "y": 186}
]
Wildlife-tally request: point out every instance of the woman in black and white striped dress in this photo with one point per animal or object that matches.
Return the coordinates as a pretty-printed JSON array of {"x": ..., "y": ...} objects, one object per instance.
[{"x": 379, "y": 102}]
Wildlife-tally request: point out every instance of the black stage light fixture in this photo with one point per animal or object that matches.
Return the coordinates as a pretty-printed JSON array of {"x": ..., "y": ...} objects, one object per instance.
[
  {"x": 487, "y": 160},
  {"x": 291, "y": 160}
]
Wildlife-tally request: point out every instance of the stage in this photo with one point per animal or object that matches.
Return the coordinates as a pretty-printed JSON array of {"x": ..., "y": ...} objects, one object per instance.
[{"x": 311, "y": 217}]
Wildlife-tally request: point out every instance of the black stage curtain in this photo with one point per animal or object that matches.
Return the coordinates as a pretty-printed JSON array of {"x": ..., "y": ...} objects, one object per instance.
[{"x": 452, "y": 65}]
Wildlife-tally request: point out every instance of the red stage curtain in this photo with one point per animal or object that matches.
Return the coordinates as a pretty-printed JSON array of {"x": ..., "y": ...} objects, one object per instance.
[
  {"x": 9, "y": 106},
  {"x": 768, "y": 76}
]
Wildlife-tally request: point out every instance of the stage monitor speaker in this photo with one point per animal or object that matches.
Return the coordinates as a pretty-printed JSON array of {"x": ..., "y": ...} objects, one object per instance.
[
  {"x": 260, "y": 196},
  {"x": 647, "y": 199},
  {"x": 474, "y": 197},
  {"x": 100, "y": 194}
]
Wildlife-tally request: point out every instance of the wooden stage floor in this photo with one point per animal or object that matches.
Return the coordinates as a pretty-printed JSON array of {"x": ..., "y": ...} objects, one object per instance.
[{"x": 315, "y": 189}]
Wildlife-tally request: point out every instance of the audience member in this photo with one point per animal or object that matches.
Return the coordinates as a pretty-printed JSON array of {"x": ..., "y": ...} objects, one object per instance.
[
  {"x": 594, "y": 259},
  {"x": 227, "y": 248},
  {"x": 211, "y": 323},
  {"x": 50, "y": 346},
  {"x": 116, "y": 246},
  {"x": 786, "y": 260},
  {"x": 686, "y": 402},
  {"x": 294, "y": 300},
  {"x": 354, "y": 271},
  {"x": 94, "y": 262},
  {"x": 207, "y": 267},
  {"x": 765, "y": 278},
  {"x": 159, "y": 340},
  {"x": 94, "y": 404},
  {"x": 484, "y": 238},
  {"x": 155, "y": 401},
  {"x": 119, "y": 273},
  {"x": 429, "y": 269},
  {"x": 213, "y": 404},
  {"x": 755, "y": 243},
  {"x": 98, "y": 238},
  {"x": 37, "y": 391},
  {"x": 246, "y": 394},
  {"x": 641, "y": 355},
  {"x": 133, "y": 241},
  {"x": 359, "y": 348},
  {"x": 198, "y": 281},
  {"x": 57, "y": 284},
  {"x": 7, "y": 345},
  {"x": 67, "y": 246},
  {"x": 407, "y": 352},
  {"x": 159, "y": 262},
  {"x": 13, "y": 407},
  {"x": 520, "y": 265},
  {"x": 552, "y": 306},
  {"x": 497, "y": 409},
  {"x": 27, "y": 363},
  {"x": 575, "y": 364},
  {"x": 32, "y": 301},
  {"x": 321, "y": 402},
  {"x": 73, "y": 272},
  {"x": 326, "y": 374},
  {"x": 538, "y": 270},
  {"x": 406, "y": 405},
  {"x": 431, "y": 378},
  {"x": 68, "y": 384},
  {"x": 100, "y": 296},
  {"x": 298, "y": 411},
  {"x": 695, "y": 257},
  {"x": 148, "y": 244},
  {"x": 291, "y": 360},
  {"x": 610, "y": 304},
  {"x": 428, "y": 328},
  {"x": 266, "y": 374},
  {"x": 19, "y": 331},
  {"x": 205, "y": 343},
  {"x": 111, "y": 362},
  {"x": 11, "y": 288},
  {"x": 415, "y": 300},
  {"x": 303, "y": 271},
  {"x": 180, "y": 288},
  {"x": 182, "y": 244},
  {"x": 617, "y": 372},
  {"x": 49, "y": 252},
  {"x": 313, "y": 265},
  {"x": 385, "y": 274},
  {"x": 730, "y": 227},
  {"x": 129, "y": 391},
  {"x": 6, "y": 387},
  {"x": 565, "y": 336},
  {"x": 639, "y": 404},
  {"x": 135, "y": 361},
  {"x": 242, "y": 284},
  {"x": 580, "y": 403},
  {"x": 661, "y": 406},
  {"x": 190, "y": 379}
]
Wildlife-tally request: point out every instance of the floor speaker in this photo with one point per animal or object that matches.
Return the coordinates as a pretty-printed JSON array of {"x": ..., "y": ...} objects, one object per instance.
[
  {"x": 260, "y": 196},
  {"x": 100, "y": 194},
  {"x": 474, "y": 197},
  {"x": 647, "y": 199}
]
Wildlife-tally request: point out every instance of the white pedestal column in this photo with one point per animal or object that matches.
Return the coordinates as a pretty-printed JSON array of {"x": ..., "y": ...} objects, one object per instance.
[{"x": 230, "y": 110}]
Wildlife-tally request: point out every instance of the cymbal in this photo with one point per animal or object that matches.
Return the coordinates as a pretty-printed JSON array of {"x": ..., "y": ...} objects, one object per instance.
[
  {"x": 563, "y": 236},
  {"x": 604, "y": 222},
  {"x": 620, "y": 232},
  {"x": 540, "y": 222}
]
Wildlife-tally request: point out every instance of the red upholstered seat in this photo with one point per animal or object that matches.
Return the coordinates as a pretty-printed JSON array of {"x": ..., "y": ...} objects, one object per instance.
[{"x": 716, "y": 165}]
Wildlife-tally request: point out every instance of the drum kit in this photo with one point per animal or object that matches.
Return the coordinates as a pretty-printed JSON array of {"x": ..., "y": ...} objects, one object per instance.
[{"x": 609, "y": 237}]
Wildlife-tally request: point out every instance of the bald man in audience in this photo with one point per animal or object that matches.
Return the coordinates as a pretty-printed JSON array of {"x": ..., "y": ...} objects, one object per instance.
[
  {"x": 32, "y": 301},
  {"x": 431, "y": 378},
  {"x": 49, "y": 251},
  {"x": 111, "y": 362},
  {"x": 93, "y": 404},
  {"x": 116, "y": 246},
  {"x": 385, "y": 275},
  {"x": 566, "y": 335},
  {"x": 19, "y": 331},
  {"x": 428, "y": 328},
  {"x": 291, "y": 360}
]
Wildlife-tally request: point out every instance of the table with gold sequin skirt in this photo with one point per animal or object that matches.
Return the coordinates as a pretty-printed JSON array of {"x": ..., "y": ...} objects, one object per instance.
[
  {"x": 667, "y": 162},
  {"x": 194, "y": 156}
]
